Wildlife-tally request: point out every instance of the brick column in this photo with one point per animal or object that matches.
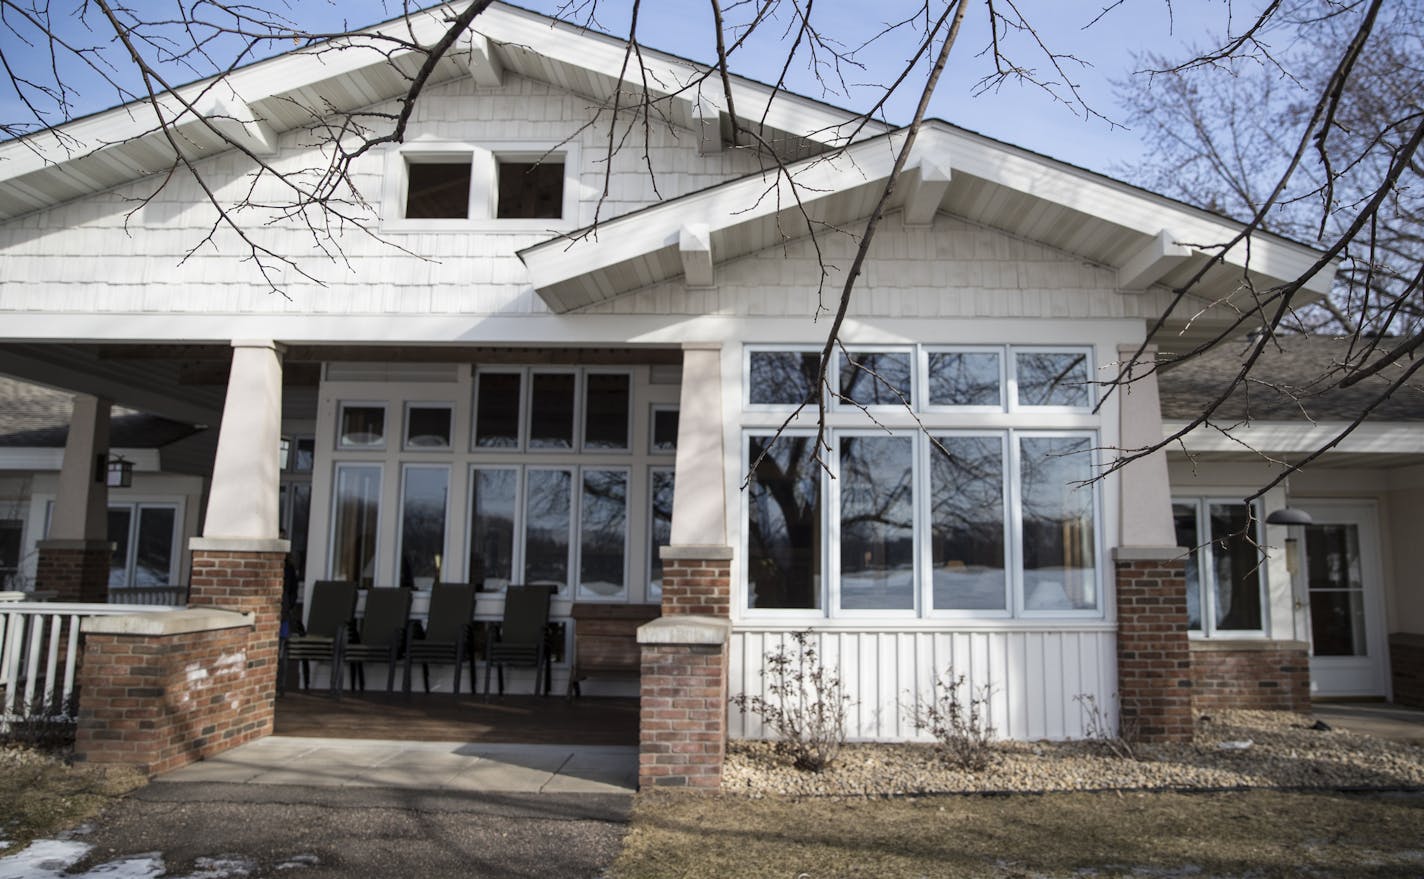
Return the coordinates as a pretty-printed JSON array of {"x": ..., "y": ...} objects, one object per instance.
[
  {"x": 160, "y": 690},
  {"x": 697, "y": 580},
  {"x": 75, "y": 570},
  {"x": 245, "y": 579},
  {"x": 1154, "y": 662},
  {"x": 682, "y": 725}
]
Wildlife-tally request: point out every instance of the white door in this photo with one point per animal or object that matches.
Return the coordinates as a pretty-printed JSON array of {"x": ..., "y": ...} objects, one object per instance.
[{"x": 1343, "y": 596}]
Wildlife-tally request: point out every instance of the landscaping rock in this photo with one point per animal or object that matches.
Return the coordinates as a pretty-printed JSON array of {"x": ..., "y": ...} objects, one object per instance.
[{"x": 1287, "y": 751}]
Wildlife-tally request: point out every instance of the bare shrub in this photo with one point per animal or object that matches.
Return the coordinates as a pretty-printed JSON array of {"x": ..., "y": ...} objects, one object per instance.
[
  {"x": 1098, "y": 727},
  {"x": 41, "y": 726},
  {"x": 805, "y": 705},
  {"x": 957, "y": 716}
]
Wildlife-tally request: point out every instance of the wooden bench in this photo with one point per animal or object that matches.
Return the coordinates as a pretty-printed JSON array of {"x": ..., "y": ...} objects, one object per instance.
[{"x": 606, "y": 640}]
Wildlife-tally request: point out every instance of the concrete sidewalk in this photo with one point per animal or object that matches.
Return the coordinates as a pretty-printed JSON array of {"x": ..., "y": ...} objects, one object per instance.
[{"x": 430, "y": 767}]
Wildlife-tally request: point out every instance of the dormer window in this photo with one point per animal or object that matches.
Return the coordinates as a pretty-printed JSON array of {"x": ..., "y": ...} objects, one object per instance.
[
  {"x": 530, "y": 190},
  {"x": 505, "y": 187},
  {"x": 438, "y": 190}
]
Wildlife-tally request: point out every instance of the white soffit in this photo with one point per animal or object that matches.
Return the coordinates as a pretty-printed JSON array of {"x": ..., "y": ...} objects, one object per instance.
[
  {"x": 1148, "y": 238},
  {"x": 1303, "y": 437}
]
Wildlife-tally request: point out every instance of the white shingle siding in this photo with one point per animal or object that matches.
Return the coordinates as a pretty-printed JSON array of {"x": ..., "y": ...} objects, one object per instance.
[{"x": 131, "y": 251}]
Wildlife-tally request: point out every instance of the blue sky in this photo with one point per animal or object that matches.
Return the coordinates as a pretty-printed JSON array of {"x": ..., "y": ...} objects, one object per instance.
[{"x": 1021, "y": 114}]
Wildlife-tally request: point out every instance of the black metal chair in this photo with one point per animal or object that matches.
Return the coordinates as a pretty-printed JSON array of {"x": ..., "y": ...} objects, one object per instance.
[
  {"x": 333, "y": 606},
  {"x": 449, "y": 637},
  {"x": 521, "y": 639},
  {"x": 381, "y": 635}
]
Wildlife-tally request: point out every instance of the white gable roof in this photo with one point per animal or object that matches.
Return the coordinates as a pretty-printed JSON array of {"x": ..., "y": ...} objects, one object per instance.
[
  {"x": 1147, "y": 238},
  {"x": 287, "y": 92}
]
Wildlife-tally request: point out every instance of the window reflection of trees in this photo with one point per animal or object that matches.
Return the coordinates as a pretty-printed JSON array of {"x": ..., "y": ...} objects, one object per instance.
[
  {"x": 959, "y": 378},
  {"x": 877, "y": 551},
  {"x": 492, "y": 532},
  {"x": 423, "y": 526},
  {"x": 967, "y": 522},
  {"x": 603, "y": 533},
  {"x": 1057, "y": 504},
  {"x": 546, "y": 527},
  {"x": 784, "y": 523},
  {"x": 874, "y": 378},
  {"x": 782, "y": 377},
  {"x": 1052, "y": 379}
]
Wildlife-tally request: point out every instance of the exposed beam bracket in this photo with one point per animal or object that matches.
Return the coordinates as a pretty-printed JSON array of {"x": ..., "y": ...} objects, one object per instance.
[
  {"x": 694, "y": 245},
  {"x": 1152, "y": 262},
  {"x": 484, "y": 65},
  {"x": 927, "y": 181},
  {"x": 707, "y": 125},
  {"x": 235, "y": 120}
]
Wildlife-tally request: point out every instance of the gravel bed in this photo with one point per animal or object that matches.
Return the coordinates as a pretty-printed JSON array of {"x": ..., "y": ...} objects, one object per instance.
[{"x": 1284, "y": 752}]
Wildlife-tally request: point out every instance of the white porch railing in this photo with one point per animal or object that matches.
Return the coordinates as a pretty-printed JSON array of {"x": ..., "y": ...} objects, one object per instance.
[
  {"x": 39, "y": 656},
  {"x": 165, "y": 596}
]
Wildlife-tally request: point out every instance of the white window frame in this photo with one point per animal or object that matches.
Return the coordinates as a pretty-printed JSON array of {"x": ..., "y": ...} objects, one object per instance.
[
  {"x": 747, "y": 351},
  {"x": 1206, "y": 571},
  {"x": 831, "y": 513},
  {"x": 400, "y": 532},
  {"x": 516, "y": 552},
  {"x": 483, "y": 158},
  {"x": 781, "y": 614},
  {"x": 364, "y": 404},
  {"x": 842, "y": 405},
  {"x": 581, "y": 427},
  {"x": 927, "y": 450},
  {"x": 923, "y": 378},
  {"x": 576, "y": 574},
  {"x": 410, "y": 405},
  {"x": 526, "y": 415},
  {"x": 135, "y": 508},
  {"x": 376, "y": 560},
  {"x": 653, "y": 411},
  {"x": 521, "y": 407},
  {"x": 1016, "y": 518},
  {"x": 655, "y": 592},
  {"x": 575, "y": 493},
  {"x": 1011, "y": 387}
]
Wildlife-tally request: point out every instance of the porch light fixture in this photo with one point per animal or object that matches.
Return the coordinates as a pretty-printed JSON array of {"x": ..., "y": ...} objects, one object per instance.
[
  {"x": 120, "y": 473},
  {"x": 1289, "y": 516}
]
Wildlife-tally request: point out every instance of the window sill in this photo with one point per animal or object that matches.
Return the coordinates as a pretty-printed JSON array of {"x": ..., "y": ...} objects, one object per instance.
[{"x": 1244, "y": 643}]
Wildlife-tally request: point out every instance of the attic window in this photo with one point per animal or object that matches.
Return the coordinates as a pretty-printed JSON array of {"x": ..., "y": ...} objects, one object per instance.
[
  {"x": 530, "y": 190},
  {"x": 438, "y": 190}
]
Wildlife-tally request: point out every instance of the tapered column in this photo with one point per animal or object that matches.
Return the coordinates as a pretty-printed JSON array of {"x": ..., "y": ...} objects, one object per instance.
[
  {"x": 74, "y": 559},
  {"x": 237, "y": 563}
]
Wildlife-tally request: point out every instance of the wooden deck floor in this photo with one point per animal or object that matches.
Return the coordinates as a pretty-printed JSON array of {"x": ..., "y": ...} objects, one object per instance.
[{"x": 444, "y": 718}]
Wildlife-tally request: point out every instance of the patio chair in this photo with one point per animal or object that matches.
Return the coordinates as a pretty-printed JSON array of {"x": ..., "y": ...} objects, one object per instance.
[
  {"x": 333, "y": 606},
  {"x": 521, "y": 640},
  {"x": 449, "y": 637},
  {"x": 381, "y": 635}
]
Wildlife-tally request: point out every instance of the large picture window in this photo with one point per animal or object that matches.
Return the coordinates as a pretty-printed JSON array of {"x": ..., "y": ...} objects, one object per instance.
[
  {"x": 355, "y": 523},
  {"x": 946, "y": 500},
  {"x": 1223, "y": 566},
  {"x": 142, "y": 536}
]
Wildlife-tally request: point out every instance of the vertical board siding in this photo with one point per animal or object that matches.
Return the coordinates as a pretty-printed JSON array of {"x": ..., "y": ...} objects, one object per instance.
[{"x": 1033, "y": 676}]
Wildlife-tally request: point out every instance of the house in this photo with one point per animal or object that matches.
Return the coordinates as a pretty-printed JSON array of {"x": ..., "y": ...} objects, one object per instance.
[{"x": 516, "y": 379}]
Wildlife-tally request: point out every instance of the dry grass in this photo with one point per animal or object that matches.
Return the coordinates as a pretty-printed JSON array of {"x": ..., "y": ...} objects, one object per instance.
[
  {"x": 1253, "y": 833},
  {"x": 41, "y": 793}
]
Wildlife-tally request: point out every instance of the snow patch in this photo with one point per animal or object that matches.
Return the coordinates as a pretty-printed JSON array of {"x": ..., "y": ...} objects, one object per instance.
[{"x": 52, "y": 858}]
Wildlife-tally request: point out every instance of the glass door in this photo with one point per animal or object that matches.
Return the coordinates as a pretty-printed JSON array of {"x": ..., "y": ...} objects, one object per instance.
[{"x": 1342, "y": 594}]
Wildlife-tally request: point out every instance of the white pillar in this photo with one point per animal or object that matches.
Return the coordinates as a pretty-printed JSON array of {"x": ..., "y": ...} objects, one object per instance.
[
  {"x": 699, "y": 507},
  {"x": 1145, "y": 512},
  {"x": 81, "y": 508},
  {"x": 242, "y": 503}
]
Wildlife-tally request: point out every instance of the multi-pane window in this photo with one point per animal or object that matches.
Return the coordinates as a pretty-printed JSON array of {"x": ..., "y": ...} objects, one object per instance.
[
  {"x": 1224, "y": 583},
  {"x": 142, "y": 536},
  {"x": 424, "y": 495},
  {"x": 905, "y": 513},
  {"x": 363, "y": 426},
  {"x": 660, "y": 493},
  {"x": 355, "y": 522},
  {"x": 553, "y": 410}
]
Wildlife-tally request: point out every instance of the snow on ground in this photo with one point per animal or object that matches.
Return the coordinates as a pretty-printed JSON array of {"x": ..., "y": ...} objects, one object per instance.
[{"x": 49, "y": 858}]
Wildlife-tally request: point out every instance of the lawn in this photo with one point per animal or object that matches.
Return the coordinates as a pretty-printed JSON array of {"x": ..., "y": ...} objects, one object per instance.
[
  {"x": 41, "y": 794},
  {"x": 1251, "y": 833}
]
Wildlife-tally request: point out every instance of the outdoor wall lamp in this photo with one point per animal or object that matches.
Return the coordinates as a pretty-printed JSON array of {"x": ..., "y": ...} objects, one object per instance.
[{"x": 120, "y": 472}]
